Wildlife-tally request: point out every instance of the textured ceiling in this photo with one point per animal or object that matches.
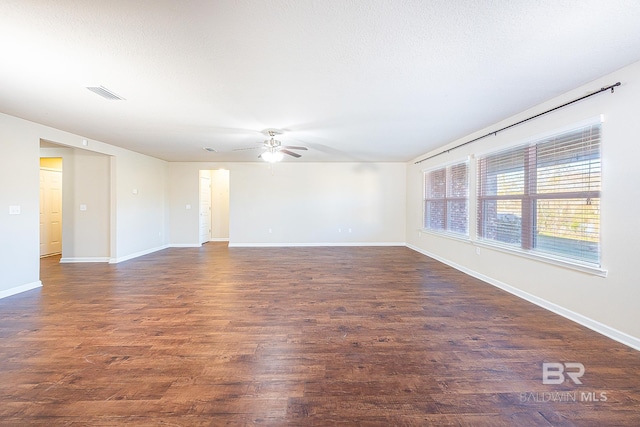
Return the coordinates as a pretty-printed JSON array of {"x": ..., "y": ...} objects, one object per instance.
[{"x": 354, "y": 80}]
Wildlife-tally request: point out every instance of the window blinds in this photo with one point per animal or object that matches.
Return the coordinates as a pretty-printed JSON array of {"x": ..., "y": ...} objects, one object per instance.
[
  {"x": 446, "y": 199},
  {"x": 545, "y": 196}
]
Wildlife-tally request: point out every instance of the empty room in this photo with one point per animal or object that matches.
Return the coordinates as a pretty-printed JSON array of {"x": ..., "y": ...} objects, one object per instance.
[{"x": 300, "y": 212}]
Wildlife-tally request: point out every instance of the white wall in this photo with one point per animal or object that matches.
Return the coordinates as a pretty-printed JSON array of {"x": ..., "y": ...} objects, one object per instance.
[
  {"x": 140, "y": 220},
  {"x": 19, "y": 234},
  {"x": 301, "y": 203},
  {"x": 142, "y": 213},
  {"x": 609, "y": 304},
  {"x": 91, "y": 229},
  {"x": 184, "y": 198}
]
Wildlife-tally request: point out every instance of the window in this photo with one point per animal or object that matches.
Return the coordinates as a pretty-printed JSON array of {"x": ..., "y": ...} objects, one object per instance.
[
  {"x": 446, "y": 195},
  {"x": 544, "y": 197}
]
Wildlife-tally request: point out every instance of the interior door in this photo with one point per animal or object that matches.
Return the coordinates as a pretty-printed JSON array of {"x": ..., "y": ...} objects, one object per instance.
[
  {"x": 50, "y": 212},
  {"x": 205, "y": 206}
]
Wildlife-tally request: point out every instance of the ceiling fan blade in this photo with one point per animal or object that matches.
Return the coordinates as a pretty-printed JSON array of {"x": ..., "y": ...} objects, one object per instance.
[
  {"x": 291, "y": 153},
  {"x": 292, "y": 147},
  {"x": 247, "y": 148}
]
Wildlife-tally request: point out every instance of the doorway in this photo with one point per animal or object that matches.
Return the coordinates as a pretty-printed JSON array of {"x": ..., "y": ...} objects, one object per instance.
[
  {"x": 214, "y": 206},
  {"x": 50, "y": 206},
  {"x": 83, "y": 208}
]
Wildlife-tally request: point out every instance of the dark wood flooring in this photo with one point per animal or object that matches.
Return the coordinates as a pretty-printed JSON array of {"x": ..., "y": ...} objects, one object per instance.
[{"x": 296, "y": 336}]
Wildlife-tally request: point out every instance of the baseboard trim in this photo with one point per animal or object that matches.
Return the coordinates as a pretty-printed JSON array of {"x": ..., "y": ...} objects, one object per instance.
[
  {"x": 84, "y": 259},
  {"x": 184, "y": 245},
  {"x": 19, "y": 289},
  {"x": 289, "y": 245},
  {"x": 219, "y": 239},
  {"x": 137, "y": 254},
  {"x": 594, "y": 325}
]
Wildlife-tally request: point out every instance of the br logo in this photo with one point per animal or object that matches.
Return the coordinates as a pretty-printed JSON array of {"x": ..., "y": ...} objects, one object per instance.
[{"x": 553, "y": 373}]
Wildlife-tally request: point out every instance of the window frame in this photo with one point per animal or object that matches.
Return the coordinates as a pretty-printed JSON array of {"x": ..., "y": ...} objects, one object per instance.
[
  {"x": 447, "y": 199},
  {"x": 530, "y": 196}
]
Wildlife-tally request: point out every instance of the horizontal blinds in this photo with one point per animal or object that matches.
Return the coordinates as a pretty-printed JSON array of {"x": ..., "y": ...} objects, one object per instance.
[
  {"x": 436, "y": 184},
  {"x": 544, "y": 196},
  {"x": 458, "y": 182},
  {"x": 570, "y": 163},
  {"x": 446, "y": 198},
  {"x": 569, "y": 227},
  {"x": 503, "y": 172}
]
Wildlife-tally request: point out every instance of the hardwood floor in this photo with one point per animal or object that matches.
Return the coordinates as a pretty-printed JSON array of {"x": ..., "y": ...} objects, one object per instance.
[{"x": 297, "y": 336}]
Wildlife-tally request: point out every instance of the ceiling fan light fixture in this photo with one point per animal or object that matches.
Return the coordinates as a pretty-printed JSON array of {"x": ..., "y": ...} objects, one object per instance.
[{"x": 272, "y": 156}]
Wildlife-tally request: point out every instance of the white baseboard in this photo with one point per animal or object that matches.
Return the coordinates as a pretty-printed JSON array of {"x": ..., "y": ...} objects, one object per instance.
[
  {"x": 287, "y": 245},
  {"x": 594, "y": 325},
  {"x": 219, "y": 239},
  {"x": 137, "y": 254},
  {"x": 84, "y": 259},
  {"x": 19, "y": 289},
  {"x": 184, "y": 245}
]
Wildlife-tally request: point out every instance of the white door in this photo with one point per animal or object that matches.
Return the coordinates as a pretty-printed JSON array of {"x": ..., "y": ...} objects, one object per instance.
[
  {"x": 205, "y": 206},
  {"x": 50, "y": 212}
]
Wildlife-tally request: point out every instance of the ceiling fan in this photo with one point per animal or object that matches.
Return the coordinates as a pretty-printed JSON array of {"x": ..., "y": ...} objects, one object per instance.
[{"x": 274, "y": 150}]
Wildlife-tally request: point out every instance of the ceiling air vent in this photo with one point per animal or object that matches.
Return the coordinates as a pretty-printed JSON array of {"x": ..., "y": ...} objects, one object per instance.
[{"x": 105, "y": 93}]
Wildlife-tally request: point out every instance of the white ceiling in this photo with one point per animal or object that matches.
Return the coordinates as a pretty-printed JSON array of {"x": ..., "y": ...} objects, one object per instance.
[{"x": 354, "y": 80}]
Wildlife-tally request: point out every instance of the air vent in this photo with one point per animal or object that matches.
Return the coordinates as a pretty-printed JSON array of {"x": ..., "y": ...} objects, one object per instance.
[
  {"x": 211, "y": 150},
  {"x": 105, "y": 93}
]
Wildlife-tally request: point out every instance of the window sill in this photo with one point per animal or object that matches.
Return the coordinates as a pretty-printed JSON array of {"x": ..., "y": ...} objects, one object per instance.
[
  {"x": 576, "y": 266},
  {"x": 549, "y": 259},
  {"x": 448, "y": 234}
]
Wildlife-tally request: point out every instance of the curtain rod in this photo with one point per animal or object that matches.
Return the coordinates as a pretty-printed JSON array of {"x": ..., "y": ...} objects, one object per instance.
[{"x": 495, "y": 132}]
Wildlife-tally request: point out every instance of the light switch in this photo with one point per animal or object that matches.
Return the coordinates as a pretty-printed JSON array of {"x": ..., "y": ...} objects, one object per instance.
[
  {"x": 83, "y": 207},
  {"x": 134, "y": 191},
  {"x": 14, "y": 210},
  {"x": 188, "y": 206}
]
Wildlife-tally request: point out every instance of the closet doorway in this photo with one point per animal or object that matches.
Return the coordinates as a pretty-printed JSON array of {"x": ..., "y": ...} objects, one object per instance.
[
  {"x": 214, "y": 206},
  {"x": 50, "y": 206}
]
